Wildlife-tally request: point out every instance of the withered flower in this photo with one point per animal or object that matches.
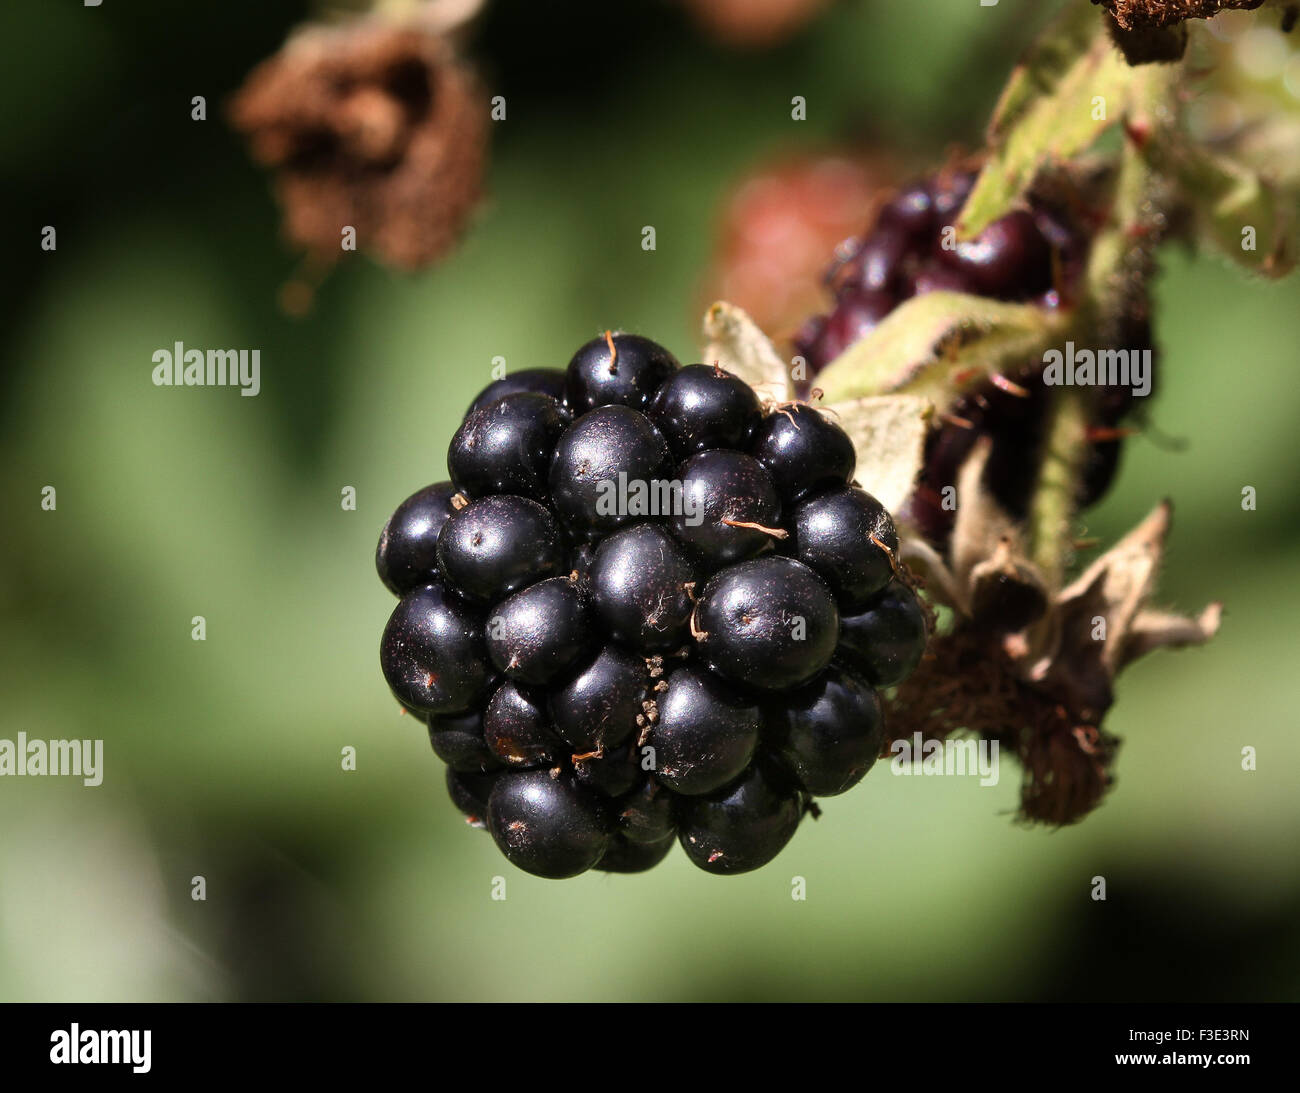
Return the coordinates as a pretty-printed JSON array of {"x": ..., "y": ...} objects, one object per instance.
[
  {"x": 372, "y": 125},
  {"x": 1032, "y": 665}
]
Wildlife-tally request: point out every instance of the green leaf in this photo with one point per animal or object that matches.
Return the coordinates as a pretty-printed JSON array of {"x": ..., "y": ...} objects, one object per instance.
[
  {"x": 1049, "y": 111},
  {"x": 941, "y": 344}
]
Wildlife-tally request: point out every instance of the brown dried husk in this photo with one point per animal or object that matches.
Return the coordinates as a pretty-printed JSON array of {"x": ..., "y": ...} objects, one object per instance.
[{"x": 372, "y": 125}]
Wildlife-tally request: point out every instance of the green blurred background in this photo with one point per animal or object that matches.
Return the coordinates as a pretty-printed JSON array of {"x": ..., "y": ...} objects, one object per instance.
[{"x": 222, "y": 758}]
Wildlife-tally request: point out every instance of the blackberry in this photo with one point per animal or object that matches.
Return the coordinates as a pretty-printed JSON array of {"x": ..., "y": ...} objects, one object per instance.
[
  {"x": 469, "y": 793},
  {"x": 1034, "y": 254},
  {"x": 742, "y": 826},
  {"x": 457, "y": 739},
  {"x": 596, "y": 460},
  {"x": 885, "y": 641},
  {"x": 803, "y": 451},
  {"x": 626, "y": 856},
  {"x": 641, "y": 581},
  {"x": 601, "y": 703},
  {"x": 541, "y": 632},
  {"x": 702, "y": 407},
  {"x": 651, "y": 611},
  {"x": 433, "y": 654}
]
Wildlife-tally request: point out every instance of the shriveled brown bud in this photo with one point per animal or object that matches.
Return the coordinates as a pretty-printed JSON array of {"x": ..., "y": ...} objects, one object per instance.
[{"x": 369, "y": 125}]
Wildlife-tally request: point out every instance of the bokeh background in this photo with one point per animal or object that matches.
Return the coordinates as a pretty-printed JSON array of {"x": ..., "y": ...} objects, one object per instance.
[{"x": 223, "y": 757}]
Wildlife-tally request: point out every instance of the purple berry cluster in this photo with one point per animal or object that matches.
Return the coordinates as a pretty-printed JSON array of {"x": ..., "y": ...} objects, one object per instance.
[
  {"x": 646, "y": 608},
  {"x": 1034, "y": 255}
]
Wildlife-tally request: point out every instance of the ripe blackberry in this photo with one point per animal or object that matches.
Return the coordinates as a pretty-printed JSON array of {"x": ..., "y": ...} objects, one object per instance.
[
  {"x": 885, "y": 641},
  {"x": 432, "y": 652},
  {"x": 652, "y": 611},
  {"x": 539, "y": 633},
  {"x": 598, "y": 457},
  {"x": 829, "y": 732},
  {"x": 641, "y": 581},
  {"x": 517, "y": 728}
]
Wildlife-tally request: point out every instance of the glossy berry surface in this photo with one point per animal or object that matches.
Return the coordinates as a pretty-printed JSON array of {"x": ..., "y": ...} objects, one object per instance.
[
  {"x": 730, "y": 508},
  {"x": 498, "y": 545},
  {"x": 649, "y": 613},
  {"x": 629, "y": 376},
  {"x": 641, "y": 582},
  {"x": 742, "y": 826},
  {"x": 407, "y": 555},
  {"x": 548, "y": 826},
  {"x": 536, "y": 381},
  {"x": 802, "y": 450},
  {"x": 602, "y": 468},
  {"x": 1036, "y": 255},
  {"x": 432, "y": 653},
  {"x": 846, "y": 537},
  {"x": 769, "y": 623},
  {"x": 829, "y": 732},
  {"x": 517, "y": 728},
  {"x": 702, "y": 407},
  {"x": 600, "y": 705},
  {"x": 647, "y": 812},
  {"x": 541, "y": 632},
  {"x": 505, "y": 447},
  {"x": 706, "y": 733},
  {"x": 886, "y": 640}
]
